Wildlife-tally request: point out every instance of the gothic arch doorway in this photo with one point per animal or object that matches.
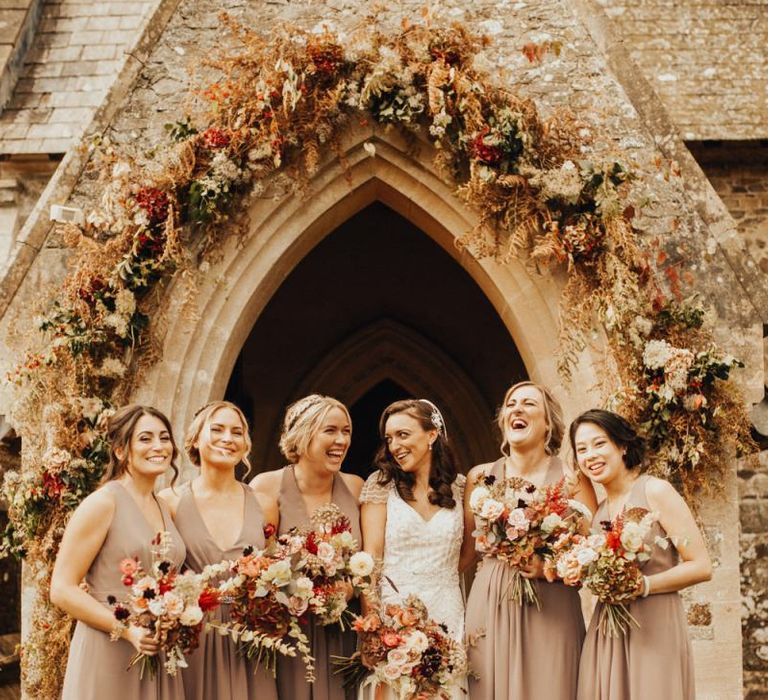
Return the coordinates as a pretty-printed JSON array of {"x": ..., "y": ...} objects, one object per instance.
[
  {"x": 375, "y": 312},
  {"x": 203, "y": 350}
]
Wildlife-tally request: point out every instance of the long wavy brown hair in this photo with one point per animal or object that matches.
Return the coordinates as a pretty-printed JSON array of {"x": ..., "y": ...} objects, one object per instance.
[
  {"x": 120, "y": 429},
  {"x": 443, "y": 470}
]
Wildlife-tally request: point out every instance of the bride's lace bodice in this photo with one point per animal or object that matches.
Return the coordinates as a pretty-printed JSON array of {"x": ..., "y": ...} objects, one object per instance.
[{"x": 420, "y": 556}]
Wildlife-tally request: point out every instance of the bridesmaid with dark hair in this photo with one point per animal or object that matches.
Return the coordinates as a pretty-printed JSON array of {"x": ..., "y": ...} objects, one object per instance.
[
  {"x": 218, "y": 516},
  {"x": 117, "y": 521},
  {"x": 654, "y": 659},
  {"x": 317, "y": 431},
  {"x": 524, "y": 652}
]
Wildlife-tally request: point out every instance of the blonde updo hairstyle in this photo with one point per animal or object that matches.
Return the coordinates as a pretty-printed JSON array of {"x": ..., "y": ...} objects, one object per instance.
[
  {"x": 202, "y": 417},
  {"x": 553, "y": 412},
  {"x": 303, "y": 419}
]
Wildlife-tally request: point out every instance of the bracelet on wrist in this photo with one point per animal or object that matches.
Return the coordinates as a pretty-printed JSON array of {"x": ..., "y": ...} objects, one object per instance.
[
  {"x": 116, "y": 634},
  {"x": 646, "y": 586}
]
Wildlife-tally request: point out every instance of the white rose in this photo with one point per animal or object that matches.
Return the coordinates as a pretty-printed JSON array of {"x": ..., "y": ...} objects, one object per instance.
[
  {"x": 478, "y": 496},
  {"x": 345, "y": 539},
  {"x": 518, "y": 520},
  {"x": 279, "y": 573},
  {"x": 174, "y": 605},
  {"x": 552, "y": 521},
  {"x": 417, "y": 641},
  {"x": 303, "y": 587},
  {"x": 491, "y": 509},
  {"x": 156, "y": 607},
  {"x": 192, "y": 616},
  {"x": 361, "y": 564},
  {"x": 398, "y": 657},
  {"x": 586, "y": 556},
  {"x": 326, "y": 552},
  {"x": 632, "y": 537},
  {"x": 297, "y": 606},
  {"x": 391, "y": 672}
]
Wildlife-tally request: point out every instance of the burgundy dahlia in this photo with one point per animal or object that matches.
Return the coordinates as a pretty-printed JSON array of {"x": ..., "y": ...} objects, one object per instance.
[
  {"x": 488, "y": 153},
  {"x": 93, "y": 287},
  {"x": 214, "y": 137},
  {"x": 326, "y": 57},
  {"x": 154, "y": 202}
]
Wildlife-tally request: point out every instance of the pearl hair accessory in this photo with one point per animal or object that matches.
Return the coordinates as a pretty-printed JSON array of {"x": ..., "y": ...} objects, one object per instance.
[{"x": 437, "y": 418}]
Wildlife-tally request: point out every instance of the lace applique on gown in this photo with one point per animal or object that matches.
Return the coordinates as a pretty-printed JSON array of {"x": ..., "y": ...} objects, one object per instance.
[{"x": 421, "y": 557}]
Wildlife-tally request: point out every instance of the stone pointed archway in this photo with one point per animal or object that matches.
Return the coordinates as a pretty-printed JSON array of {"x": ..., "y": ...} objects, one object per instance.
[{"x": 201, "y": 349}]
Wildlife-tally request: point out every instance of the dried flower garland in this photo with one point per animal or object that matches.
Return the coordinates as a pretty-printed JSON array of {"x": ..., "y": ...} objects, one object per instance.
[{"x": 282, "y": 101}]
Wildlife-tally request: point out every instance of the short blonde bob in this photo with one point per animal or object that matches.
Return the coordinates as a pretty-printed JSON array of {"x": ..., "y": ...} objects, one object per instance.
[
  {"x": 303, "y": 419},
  {"x": 202, "y": 416},
  {"x": 553, "y": 412}
]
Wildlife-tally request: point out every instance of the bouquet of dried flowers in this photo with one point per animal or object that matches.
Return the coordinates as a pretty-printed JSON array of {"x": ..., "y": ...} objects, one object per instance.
[
  {"x": 406, "y": 650},
  {"x": 267, "y": 597},
  {"x": 609, "y": 564},
  {"x": 326, "y": 555},
  {"x": 515, "y": 522},
  {"x": 170, "y": 605}
]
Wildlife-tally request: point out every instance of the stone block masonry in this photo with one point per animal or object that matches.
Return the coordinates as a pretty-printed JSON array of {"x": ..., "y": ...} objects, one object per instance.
[{"x": 706, "y": 59}]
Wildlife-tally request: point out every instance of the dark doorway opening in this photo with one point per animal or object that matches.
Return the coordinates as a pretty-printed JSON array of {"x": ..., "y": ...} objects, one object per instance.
[
  {"x": 365, "y": 419},
  {"x": 377, "y": 311}
]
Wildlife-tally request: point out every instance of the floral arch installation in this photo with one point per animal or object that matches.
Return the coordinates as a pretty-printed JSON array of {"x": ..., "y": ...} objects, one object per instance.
[{"x": 284, "y": 102}]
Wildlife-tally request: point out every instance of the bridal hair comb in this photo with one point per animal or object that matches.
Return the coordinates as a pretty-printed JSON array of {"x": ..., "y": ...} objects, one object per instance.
[{"x": 436, "y": 417}]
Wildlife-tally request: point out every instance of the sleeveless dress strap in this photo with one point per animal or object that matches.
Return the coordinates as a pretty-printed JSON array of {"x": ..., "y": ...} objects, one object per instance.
[
  {"x": 637, "y": 496},
  {"x": 497, "y": 468}
]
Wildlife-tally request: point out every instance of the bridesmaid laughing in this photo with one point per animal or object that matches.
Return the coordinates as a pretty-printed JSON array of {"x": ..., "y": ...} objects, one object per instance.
[
  {"x": 218, "y": 516},
  {"x": 316, "y": 435},
  {"x": 653, "y": 660},
  {"x": 523, "y": 652}
]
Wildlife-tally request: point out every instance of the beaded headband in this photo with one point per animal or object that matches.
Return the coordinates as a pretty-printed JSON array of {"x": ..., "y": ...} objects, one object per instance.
[
  {"x": 298, "y": 408},
  {"x": 436, "y": 417}
]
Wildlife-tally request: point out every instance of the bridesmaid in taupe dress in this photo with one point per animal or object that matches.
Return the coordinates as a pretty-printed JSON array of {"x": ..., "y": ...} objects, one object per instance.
[
  {"x": 218, "y": 516},
  {"x": 653, "y": 660},
  {"x": 524, "y": 652},
  {"x": 116, "y": 522},
  {"x": 315, "y": 439}
]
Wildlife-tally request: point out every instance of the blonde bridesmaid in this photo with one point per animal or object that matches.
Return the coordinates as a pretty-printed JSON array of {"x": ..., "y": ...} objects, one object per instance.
[
  {"x": 218, "y": 516},
  {"x": 316, "y": 435},
  {"x": 653, "y": 660},
  {"x": 117, "y": 521},
  {"x": 523, "y": 652}
]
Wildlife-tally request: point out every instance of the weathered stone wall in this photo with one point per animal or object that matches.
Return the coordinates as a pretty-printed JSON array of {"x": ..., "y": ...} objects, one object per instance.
[
  {"x": 753, "y": 491},
  {"x": 22, "y": 181},
  {"x": 71, "y": 62},
  {"x": 706, "y": 59},
  {"x": 739, "y": 173}
]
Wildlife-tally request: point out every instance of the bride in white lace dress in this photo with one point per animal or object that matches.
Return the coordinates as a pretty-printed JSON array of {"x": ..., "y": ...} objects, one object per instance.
[{"x": 413, "y": 520}]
